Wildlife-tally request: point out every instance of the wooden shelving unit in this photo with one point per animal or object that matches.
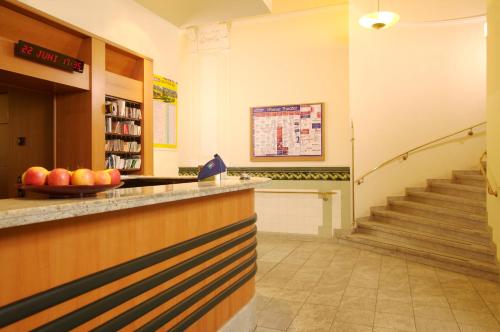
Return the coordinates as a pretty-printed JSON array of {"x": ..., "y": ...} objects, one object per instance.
[
  {"x": 74, "y": 103},
  {"x": 120, "y": 114}
]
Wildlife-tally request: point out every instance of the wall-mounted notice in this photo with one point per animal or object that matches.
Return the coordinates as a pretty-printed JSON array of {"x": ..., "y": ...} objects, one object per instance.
[
  {"x": 288, "y": 132},
  {"x": 164, "y": 112}
]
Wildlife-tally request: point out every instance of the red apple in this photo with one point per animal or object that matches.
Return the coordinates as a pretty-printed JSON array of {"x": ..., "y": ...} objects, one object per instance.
[
  {"x": 82, "y": 177},
  {"x": 58, "y": 177},
  {"x": 115, "y": 176},
  {"x": 35, "y": 176},
  {"x": 102, "y": 177}
]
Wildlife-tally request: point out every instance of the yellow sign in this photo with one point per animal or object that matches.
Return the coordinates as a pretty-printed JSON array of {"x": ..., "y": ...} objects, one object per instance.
[{"x": 164, "y": 112}]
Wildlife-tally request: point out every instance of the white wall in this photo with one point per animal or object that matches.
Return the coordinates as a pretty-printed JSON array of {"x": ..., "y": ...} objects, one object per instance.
[
  {"x": 409, "y": 85},
  {"x": 128, "y": 24},
  {"x": 279, "y": 59}
]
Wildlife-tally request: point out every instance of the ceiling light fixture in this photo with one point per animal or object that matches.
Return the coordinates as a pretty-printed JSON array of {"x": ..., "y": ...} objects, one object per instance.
[{"x": 379, "y": 20}]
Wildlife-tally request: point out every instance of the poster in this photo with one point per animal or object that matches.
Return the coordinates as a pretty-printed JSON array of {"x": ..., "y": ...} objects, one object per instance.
[
  {"x": 164, "y": 112},
  {"x": 287, "y": 131}
]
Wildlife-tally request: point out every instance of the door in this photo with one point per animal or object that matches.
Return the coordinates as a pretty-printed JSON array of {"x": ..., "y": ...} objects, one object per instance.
[
  {"x": 4, "y": 142},
  {"x": 30, "y": 134}
]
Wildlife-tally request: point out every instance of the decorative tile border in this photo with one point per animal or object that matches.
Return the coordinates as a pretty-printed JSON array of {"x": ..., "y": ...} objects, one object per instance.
[{"x": 284, "y": 173}]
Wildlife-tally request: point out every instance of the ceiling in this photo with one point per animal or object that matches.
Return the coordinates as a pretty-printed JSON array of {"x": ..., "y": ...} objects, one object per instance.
[
  {"x": 425, "y": 10},
  {"x": 185, "y": 13}
]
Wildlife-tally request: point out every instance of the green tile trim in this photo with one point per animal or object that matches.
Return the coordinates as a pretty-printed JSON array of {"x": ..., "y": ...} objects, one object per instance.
[{"x": 283, "y": 173}]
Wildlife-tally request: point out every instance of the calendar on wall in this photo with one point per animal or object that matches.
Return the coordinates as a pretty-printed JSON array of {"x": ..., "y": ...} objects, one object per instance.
[{"x": 287, "y": 132}]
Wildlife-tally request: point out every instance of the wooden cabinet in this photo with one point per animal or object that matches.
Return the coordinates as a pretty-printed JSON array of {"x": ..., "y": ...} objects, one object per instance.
[{"x": 78, "y": 99}]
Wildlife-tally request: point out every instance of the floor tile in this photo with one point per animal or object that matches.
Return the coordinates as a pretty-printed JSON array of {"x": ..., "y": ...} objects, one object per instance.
[
  {"x": 346, "y": 327},
  {"x": 433, "y": 313},
  {"x": 358, "y": 302},
  {"x": 283, "y": 306},
  {"x": 355, "y": 316},
  {"x": 476, "y": 328},
  {"x": 427, "y": 325},
  {"x": 429, "y": 300},
  {"x": 332, "y": 299},
  {"x": 292, "y": 295},
  {"x": 394, "y": 307},
  {"x": 475, "y": 318},
  {"x": 275, "y": 282},
  {"x": 274, "y": 320},
  {"x": 300, "y": 285},
  {"x": 396, "y": 295},
  {"x": 264, "y": 329},
  {"x": 468, "y": 304},
  {"x": 360, "y": 291},
  {"x": 307, "y": 325},
  {"x": 395, "y": 321},
  {"x": 317, "y": 311},
  {"x": 261, "y": 302},
  {"x": 328, "y": 288}
]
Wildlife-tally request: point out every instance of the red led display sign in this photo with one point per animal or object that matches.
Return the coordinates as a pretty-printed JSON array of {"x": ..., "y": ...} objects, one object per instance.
[{"x": 47, "y": 57}]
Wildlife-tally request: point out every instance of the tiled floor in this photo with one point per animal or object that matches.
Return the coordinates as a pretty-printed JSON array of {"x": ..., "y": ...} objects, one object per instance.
[{"x": 324, "y": 286}]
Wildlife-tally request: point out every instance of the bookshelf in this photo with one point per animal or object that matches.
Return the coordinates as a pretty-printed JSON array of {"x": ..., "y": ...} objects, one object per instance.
[{"x": 123, "y": 134}]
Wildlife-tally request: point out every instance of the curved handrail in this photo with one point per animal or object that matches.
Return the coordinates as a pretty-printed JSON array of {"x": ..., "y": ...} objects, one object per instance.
[
  {"x": 406, "y": 154},
  {"x": 491, "y": 191}
]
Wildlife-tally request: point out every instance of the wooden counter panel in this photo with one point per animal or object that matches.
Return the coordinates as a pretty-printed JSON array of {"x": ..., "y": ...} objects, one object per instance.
[
  {"x": 51, "y": 252},
  {"x": 224, "y": 311}
]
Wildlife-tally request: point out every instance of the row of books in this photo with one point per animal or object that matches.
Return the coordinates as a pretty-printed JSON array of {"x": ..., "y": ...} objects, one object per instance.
[
  {"x": 120, "y": 107},
  {"x": 122, "y": 127},
  {"x": 115, "y": 161},
  {"x": 122, "y": 146}
]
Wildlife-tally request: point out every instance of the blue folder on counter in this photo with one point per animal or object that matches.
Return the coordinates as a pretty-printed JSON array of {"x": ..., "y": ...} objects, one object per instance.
[{"x": 212, "y": 168}]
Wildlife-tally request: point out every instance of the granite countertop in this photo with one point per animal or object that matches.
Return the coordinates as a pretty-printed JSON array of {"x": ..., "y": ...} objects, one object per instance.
[
  {"x": 147, "y": 177},
  {"x": 25, "y": 211}
]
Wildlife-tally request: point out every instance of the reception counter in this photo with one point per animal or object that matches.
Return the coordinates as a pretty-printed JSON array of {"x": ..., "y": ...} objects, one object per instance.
[{"x": 175, "y": 257}]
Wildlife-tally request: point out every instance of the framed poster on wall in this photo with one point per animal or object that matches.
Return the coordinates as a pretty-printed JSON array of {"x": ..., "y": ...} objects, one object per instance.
[
  {"x": 164, "y": 112},
  {"x": 287, "y": 133}
]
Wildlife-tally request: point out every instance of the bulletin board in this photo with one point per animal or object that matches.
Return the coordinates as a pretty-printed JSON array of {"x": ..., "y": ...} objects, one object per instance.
[
  {"x": 287, "y": 133},
  {"x": 164, "y": 112}
]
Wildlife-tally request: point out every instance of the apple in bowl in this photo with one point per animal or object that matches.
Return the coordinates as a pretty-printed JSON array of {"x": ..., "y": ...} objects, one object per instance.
[
  {"x": 83, "y": 177},
  {"x": 35, "y": 176},
  {"x": 59, "y": 177},
  {"x": 115, "y": 176},
  {"x": 102, "y": 178}
]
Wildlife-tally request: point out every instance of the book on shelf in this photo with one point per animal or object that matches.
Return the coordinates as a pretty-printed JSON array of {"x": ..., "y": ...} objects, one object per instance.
[
  {"x": 122, "y": 127},
  {"x": 123, "y": 163},
  {"x": 123, "y": 108},
  {"x": 119, "y": 145}
]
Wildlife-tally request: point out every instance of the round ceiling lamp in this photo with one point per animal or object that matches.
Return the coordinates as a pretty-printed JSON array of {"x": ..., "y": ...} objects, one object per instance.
[{"x": 379, "y": 20}]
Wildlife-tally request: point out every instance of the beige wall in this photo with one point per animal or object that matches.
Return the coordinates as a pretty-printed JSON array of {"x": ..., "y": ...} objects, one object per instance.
[
  {"x": 280, "y": 59},
  {"x": 126, "y": 23},
  {"x": 493, "y": 115},
  {"x": 409, "y": 85}
]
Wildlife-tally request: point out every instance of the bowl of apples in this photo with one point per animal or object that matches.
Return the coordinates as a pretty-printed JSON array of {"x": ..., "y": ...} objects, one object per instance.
[{"x": 61, "y": 182}]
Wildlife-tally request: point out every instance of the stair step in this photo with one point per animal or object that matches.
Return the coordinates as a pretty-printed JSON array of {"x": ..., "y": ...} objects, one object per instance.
[
  {"x": 467, "y": 178},
  {"x": 468, "y": 172},
  {"x": 425, "y": 256},
  {"x": 434, "y": 212},
  {"x": 460, "y": 190},
  {"x": 427, "y": 240},
  {"x": 448, "y": 201},
  {"x": 476, "y": 234}
]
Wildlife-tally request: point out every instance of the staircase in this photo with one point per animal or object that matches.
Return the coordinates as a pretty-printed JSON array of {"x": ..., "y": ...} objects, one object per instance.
[{"x": 443, "y": 225}]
